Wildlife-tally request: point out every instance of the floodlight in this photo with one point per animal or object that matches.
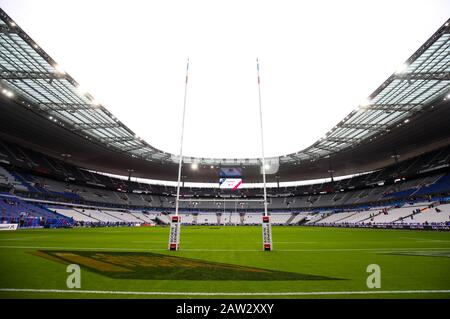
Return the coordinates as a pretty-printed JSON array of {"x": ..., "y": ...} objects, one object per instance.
[
  {"x": 81, "y": 90},
  {"x": 194, "y": 166},
  {"x": 364, "y": 103},
  {"x": 58, "y": 69},
  {"x": 8, "y": 93},
  {"x": 402, "y": 68}
]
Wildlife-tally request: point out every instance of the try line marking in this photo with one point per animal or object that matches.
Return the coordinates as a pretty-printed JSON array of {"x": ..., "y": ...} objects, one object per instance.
[
  {"x": 227, "y": 250},
  {"x": 146, "y": 293}
]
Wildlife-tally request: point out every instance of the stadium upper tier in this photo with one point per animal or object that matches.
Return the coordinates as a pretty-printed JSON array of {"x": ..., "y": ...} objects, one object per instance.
[{"x": 44, "y": 108}]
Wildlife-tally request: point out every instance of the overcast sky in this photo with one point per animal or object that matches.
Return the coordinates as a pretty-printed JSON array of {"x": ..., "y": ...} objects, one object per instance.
[{"x": 318, "y": 61}]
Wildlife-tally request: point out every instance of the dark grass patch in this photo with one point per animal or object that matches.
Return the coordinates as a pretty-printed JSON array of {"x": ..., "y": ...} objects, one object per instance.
[{"x": 137, "y": 265}]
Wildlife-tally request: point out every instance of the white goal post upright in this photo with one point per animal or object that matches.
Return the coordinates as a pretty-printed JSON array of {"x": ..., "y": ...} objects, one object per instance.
[
  {"x": 175, "y": 222},
  {"x": 266, "y": 226}
]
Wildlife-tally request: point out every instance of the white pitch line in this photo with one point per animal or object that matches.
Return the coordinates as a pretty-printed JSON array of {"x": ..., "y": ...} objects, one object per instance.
[
  {"x": 295, "y": 242},
  {"x": 179, "y": 293},
  {"x": 229, "y": 250},
  {"x": 24, "y": 238},
  {"x": 150, "y": 242},
  {"x": 421, "y": 240}
]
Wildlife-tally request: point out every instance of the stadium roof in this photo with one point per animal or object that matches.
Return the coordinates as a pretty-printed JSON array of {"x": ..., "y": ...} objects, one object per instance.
[{"x": 31, "y": 78}]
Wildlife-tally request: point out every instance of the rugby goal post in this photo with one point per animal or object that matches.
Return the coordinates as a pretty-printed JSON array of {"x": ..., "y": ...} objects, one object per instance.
[
  {"x": 266, "y": 226},
  {"x": 174, "y": 237},
  {"x": 175, "y": 222}
]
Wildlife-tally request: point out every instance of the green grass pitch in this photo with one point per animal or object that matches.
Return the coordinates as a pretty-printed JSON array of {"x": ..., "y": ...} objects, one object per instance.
[{"x": 224, "y": 262}]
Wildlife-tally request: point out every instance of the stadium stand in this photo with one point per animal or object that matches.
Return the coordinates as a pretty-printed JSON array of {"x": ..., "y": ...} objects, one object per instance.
[
  {"x": 76, "y": 215},
  {"x": 16, "y": 210},
  {"x": 8, "y": 181},
  {"x": 389, "y": 181}
]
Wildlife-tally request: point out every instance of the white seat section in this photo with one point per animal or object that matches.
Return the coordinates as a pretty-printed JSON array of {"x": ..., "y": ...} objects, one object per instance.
[
  {"x": 164, "y": 218},
  {"x": 236, "y": 218},
  {"x": 125, "y": 216},
  {"x": 207, "y": 218},
  {"x": 299, "y": 217},
  {"x": 253, "y": 218},
  {"x": 232, "y": 218},
  {"x": 364, "y": 217},
  {"x": 101, "y": 216},
  {"x": 72, "y": 213},
  {"x": 279, "y": 218},
  {"x": 144, "y": 217},
  {"x": 314, "y": 217},
  {"x": 336, "y": 217},
  {"x": 311, "y": 218},
  {"x": 431, "y": 215},
  {"x": 444, "y": 208},
  {"x": 396, "y": 213},
  {"x": 187, "y": 218},
  {"x": 358, "y": 217}
]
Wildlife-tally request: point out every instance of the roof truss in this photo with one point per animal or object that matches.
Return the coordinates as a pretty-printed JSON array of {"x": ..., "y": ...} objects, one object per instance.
[{"x": 34, "y": 78}]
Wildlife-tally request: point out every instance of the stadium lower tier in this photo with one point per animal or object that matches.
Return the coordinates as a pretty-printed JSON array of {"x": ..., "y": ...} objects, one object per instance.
[
  {"x": 33, "y": 200},
  {"x": 41, "y": 176},
  {"x": 30, "y": 213},
  {"x": 40, "y": 187}
]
